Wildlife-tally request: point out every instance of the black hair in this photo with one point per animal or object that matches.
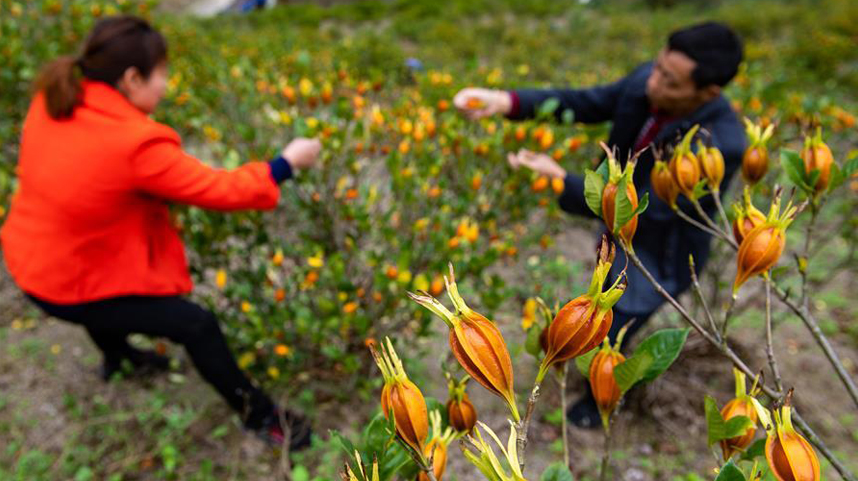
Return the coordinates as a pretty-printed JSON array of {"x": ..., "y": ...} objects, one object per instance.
[
  {"x": 114, "y": 45},
  {"x": 715, "y": 47}
]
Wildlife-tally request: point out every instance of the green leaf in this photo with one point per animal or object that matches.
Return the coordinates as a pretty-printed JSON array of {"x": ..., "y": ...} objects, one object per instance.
[
  {"x": 557, "y": 472},
  {"x": 837, "y": 177},
  {"x": 622, "y": 206},
  {"x": 300, "y": 473},
  {"x": 729, "y": 472},
  {"x": 531, "y": 345},
  {"x": 583, "y": 361},
  {"x": 717, "y": 428},
  {"x": 813, "y": 177},
  {"x": 603, "y": 171},
  {"x": 568, "y": 117},
  {"x": 346, "y": 445},
  {"x": 593, "y": 187},
  {"x": 642, "y": 205},
  {"x": 756, "y": 450},
  {"x": 664, "y": 347},
  {"x": 548, "y": 107},
  {"x": 738, "y": 425},
  {"x": 794, "y": 167},
  {"x": 700, "y": 189},
  {"x": 850, "y": 167},
  {"x": 632, "y": 370}
]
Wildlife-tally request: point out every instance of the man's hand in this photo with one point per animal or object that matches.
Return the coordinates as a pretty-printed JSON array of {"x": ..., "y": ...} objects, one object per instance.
[
  {"x": 476, "y": 103},
  {"x": 302, "y": 153},
  {"x": 539, "y": 163}
]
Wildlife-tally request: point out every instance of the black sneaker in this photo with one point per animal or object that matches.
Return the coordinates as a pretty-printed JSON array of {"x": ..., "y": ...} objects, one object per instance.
[
  {"x": 584, "y": 413},
  {"x": 274, "y": 426}
]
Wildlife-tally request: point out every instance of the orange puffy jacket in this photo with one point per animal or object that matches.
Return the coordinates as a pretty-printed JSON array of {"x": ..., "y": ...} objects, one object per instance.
[{"x": 90, "y": 219}]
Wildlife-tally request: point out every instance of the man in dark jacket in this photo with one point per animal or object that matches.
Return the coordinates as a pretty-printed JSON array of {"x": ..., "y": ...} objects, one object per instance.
[{"x": 656, "y": 104}]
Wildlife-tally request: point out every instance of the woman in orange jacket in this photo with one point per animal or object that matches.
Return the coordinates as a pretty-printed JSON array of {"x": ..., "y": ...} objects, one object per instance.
[{"x": 89, "y": 238}]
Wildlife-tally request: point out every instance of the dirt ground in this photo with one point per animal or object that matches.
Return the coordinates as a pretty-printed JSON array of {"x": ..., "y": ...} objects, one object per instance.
[
  {"x": 52, "y": 396},
  {"x": 52, "y": 399}
]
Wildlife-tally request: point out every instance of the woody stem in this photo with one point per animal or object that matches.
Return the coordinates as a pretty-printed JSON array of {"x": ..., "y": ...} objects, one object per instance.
[
  {"x": 524, "y": 425},
  {"x": 563, "y": 374},
  {"x": 721, "y": 211},
  {"x": 724, "y": 235},
  {"x": 743, "y": 366},
  {"x": 770, "y": 352}
]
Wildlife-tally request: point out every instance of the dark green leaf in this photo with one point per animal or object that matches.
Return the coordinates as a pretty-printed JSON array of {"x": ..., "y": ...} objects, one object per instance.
[
  {"x": 794, "y": 167},
  {"x": 755, "y": 450},
  {"x": 813, "y": 177},
  {"x": 738, "y": 425},
  {"x": 622, "y": 207},
  {"x": 837, "y": 177},
  {"x": 531, "y": 345},
  {"x": 557, "y": 472},
  {"x": 593, "y": 187},
  {"x": 719, "y": 429},
  {"x": 602, "y": 170},
  {"x": 632, "y": 370},
  {"x": 715, "y": 425},
  {"x": 850, "y": 167},
  {"x": 642, "y": 205},
  {"x": 583, "y": 361},
  {"x": 729, "y": 472},
  {"x": 664, "y": 347}
]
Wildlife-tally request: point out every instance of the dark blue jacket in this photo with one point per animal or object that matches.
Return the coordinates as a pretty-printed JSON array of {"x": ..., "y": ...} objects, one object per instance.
[{"x": 663, "y": 241}]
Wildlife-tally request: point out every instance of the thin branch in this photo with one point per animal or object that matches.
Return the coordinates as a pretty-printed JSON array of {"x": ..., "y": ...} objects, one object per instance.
[
  {"x": 742, "y": 366},
  {"x": 724, "y": 235},
  {"x": 727, "y": 315},
  {"x": 563, "y": 375},
  {"x": 810, "y": 321},
  {"x": 524, "y": 425},
  {"x": 695, "y": 283},
  {"x": 694, "y": 222},
  {"x": 770, "y": 352},
  {"x": 721, "y": 211},
  {"x": 606, "y": 455}
]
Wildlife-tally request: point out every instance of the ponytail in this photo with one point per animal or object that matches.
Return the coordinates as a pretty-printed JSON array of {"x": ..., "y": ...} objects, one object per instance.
[
  {"x": 60, "y": 83},
  {"x": 114, "y": 45}
]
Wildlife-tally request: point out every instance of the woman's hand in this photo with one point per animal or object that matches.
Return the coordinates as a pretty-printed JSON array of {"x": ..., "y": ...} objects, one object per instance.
[
  {"x": 476, "y": 103},
  {"x": 302, "y": 153},
  {"x": 539, "y": 163}
]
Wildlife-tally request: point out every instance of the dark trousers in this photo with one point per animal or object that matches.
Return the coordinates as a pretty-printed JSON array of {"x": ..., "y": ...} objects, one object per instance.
[
  {"x": 634, "y": 323},
  {"x": 110, "y": 321}
]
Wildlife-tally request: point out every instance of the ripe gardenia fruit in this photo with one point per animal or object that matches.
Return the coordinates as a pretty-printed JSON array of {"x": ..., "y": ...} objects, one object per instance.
[
  {"x": 604, "y": 386},
  {"x": 401, "y": 398},
  {"x": 616, "y": 178},
  {"x": 663, "y": 184},
  {"x": 747, "y": 217},
  {"x": 712, "y": 165},
  {"x": 741, "y": 405},
  {"x": 790, "y": 456},
  {"x": 684, "y": 165},
  {"x": 817, "y": 156},
  {"x": 583, "y": 322},
  {"x": 460, "y": 411},
  {"x": 436, "y": 449},
  {"x": 476, "y": 342},
  {"x": 755, "y": 162},
  {"x": 763, "y": 246}
]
